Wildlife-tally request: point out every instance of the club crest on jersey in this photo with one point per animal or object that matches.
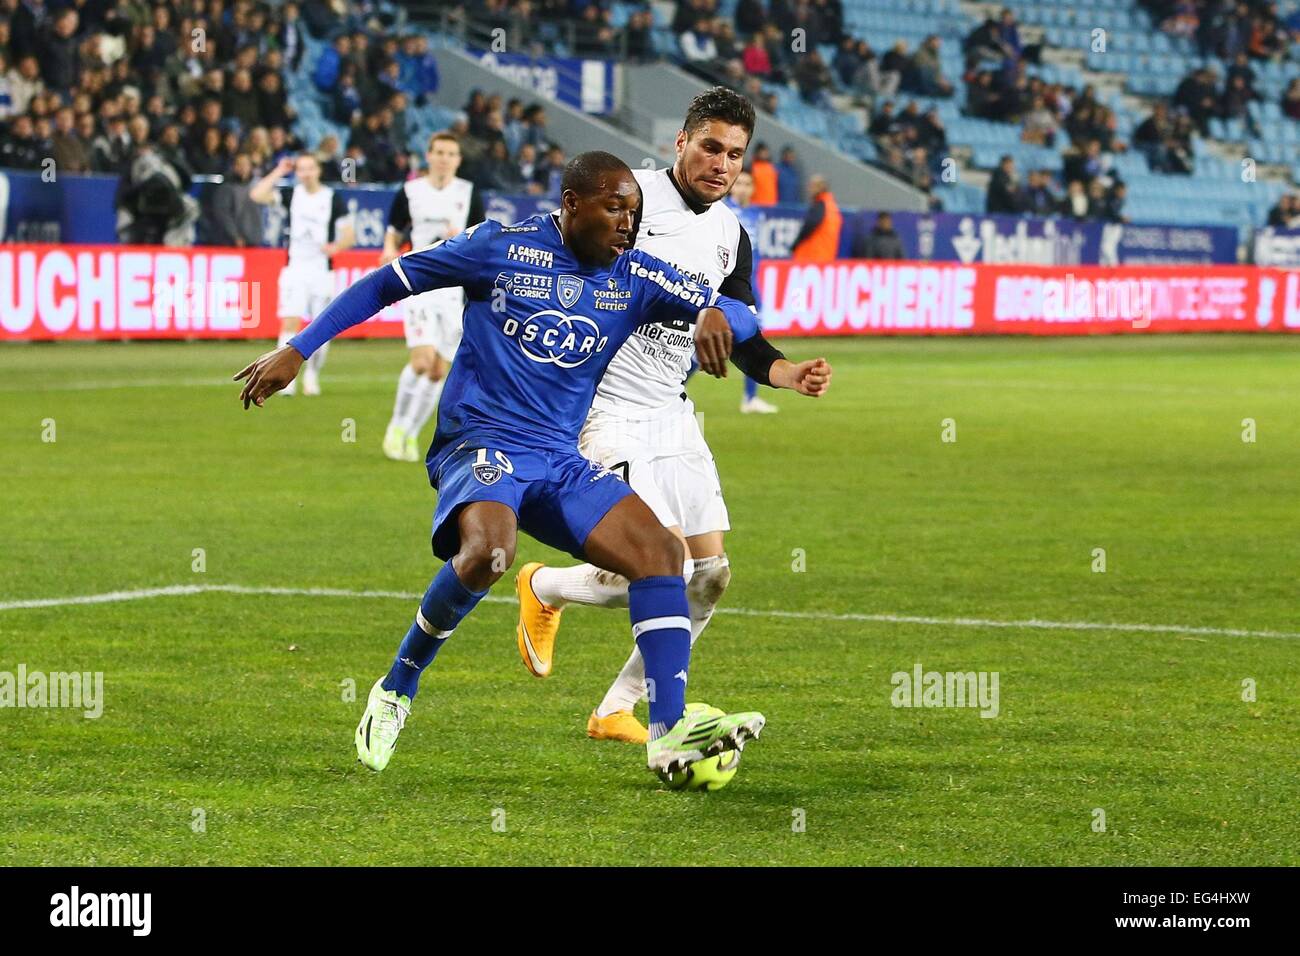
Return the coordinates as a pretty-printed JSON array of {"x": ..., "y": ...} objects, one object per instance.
[
  {"x": 567, "y": 289},
  {"x": 487, "y": 474},
  {"x": 724, "y": 256}
]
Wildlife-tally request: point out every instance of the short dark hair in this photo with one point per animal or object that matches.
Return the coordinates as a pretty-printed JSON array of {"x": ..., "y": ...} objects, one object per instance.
[
  {"x": 586, "y": 171},
  {"x": 722, "y": 104}
]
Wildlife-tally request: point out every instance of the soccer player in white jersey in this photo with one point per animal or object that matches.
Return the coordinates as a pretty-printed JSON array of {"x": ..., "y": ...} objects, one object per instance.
[
  {"x": 319, "y": 228},
  {"x": 434, "y": 207},
  {"x": 642, "y": 425}
]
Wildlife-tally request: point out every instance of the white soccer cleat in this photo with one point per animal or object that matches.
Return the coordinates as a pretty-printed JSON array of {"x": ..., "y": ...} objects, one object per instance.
[
  {"x": 310, "y": 381},
  {"x": 756, "y": 406},
  {"x": 395, "y": 443},
  {"x": 385, "y": 716},
  {"x": 411, "y": 451}
]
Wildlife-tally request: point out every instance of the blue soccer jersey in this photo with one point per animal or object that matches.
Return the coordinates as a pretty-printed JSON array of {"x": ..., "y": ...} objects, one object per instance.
[
  {"x": 539, "y": 326},
  {"x": 539, "y": 330}
]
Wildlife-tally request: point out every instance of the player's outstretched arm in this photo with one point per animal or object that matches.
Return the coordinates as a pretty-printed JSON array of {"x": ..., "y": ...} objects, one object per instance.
[
  {"x": 765, "y": 364},
  {"x": 369, "y": 295},
  {"x": 811, "y": 378}
]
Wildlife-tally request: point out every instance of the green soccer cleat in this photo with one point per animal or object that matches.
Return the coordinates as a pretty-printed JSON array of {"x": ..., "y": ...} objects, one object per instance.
[
  {"x": 395, "y": 443},
  {"x": 412, "y": 450},
  {"x": 702, "y": 732},
  {"x": 383, "y": 720}
]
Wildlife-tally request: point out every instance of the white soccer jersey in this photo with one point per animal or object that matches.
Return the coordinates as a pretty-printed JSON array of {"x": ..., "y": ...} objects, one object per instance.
[
  {"x": 431, "y": 214},
  {"x": 313, "y": 221},
  {"x": 646, "y": 377}
]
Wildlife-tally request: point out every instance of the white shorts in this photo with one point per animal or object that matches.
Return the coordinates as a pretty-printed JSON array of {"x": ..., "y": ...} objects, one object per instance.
[
  {"x": 434, "y": 318},
  {"x": 681, "y": 489},
  {"x": 304, "y": 293}
]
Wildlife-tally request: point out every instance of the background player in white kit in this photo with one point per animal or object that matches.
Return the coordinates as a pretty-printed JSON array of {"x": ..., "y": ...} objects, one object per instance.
[
  {"x": 319, "y": 228},
  {"x": 642, "y": 425},
  {"x": 434, "y": 207}
]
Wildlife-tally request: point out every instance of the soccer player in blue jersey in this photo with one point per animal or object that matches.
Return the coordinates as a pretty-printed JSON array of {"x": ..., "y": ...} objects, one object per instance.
[{"x": 549, "y": 302}]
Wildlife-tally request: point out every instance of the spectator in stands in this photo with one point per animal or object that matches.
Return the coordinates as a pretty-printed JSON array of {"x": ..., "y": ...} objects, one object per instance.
[
  {"x": 289, "y": 35},
  {"x": 235, "y": 220},
  {"x": 926, "y": 70},
  {"x": 1037, "y": 198},
  {"x": 985, "y": 42},
  {"x": 754, "y": 57},
  {"x": 111, "y": 150},
  {"x": 240, "y": 101},
  {"x": 25, "y": 83},
  {"x": 272, "y": 101},
  {"x": 1291, "y": 99},
  {"x": 819, "y": 236},
  {"x": 170, "y": 149},
  {"x": 789, "y": 178},
  {"x": 1076, "y": 204},
  {"x": 550, "y": 171},
  {"x": 71, "y": 153},
  {"x": 329, "y": 64},
  {"x": 58, "y": 51},
  {"x": 152, "y": 206},
  {"x": 765, "y": 177},
  {"x": 420, "y": 78},
  {"x": 327, "y": 155},
  {"x": 751, "y": 17},
  {"x": 1110, "y": 207},
  {"x": 1085, "y": 164},
  {"x": 1241, "y": 67},
  {"x": 814, "y": 79},
  {"x": 984, "y": 100},
  {"x": 896, "y": 65},
  {"x": 6, "y": 90},
  {"x": 638, "y": 37},
  {"x": 211, "y": 158},
  {"x": 20, "y": 148},
  {"x": 1235, "y": 103},
  {"x": 778, "y": 52},
  {"x": 1003, "y": 187},
  {"x": 882, "y": 242},
  {"x": 1196, "y": 94},
  {"x": 1152, "y": 137},
  {"x": 698, "y": 45},
  {"x": 1039, "y": 124},
  {"x": 1286, "y": 214},
  {"x": 346, "y": 104},
  {"x": 1182, "y": 19}
]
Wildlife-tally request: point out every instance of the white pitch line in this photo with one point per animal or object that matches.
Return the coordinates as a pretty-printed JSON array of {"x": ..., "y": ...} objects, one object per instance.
[{"x": 110, "y": 597}]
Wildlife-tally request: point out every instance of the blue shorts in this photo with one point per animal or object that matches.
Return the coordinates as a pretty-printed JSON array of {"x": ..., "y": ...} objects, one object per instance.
[{"x": 558, "y": 496}]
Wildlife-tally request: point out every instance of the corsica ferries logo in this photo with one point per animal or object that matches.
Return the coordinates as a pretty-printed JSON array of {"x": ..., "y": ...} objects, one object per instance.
[{"x": 554, "y": 338}]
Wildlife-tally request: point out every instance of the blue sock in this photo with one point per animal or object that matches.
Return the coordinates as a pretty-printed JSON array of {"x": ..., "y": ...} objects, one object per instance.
[
  {"x": 661, "y": 626},
  {"x": 443, "y": 606},
  {"x": 751, "y": 387}
]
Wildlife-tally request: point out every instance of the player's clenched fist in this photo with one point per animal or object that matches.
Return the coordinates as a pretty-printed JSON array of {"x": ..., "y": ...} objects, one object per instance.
[
  {"x": 811, "y": 378},
  {"x": 270, "y": 373}
]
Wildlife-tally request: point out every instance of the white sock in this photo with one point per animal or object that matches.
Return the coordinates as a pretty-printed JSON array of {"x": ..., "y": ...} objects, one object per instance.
[
  {"x": 405, "y": 394},
  {"x": 425, "y": 399},
  {"x": 580, "y": 584},
  {"x": 628, "y": 686},
  {"x": 704, "y": 590},
  {"x": 317, "y": 360}
]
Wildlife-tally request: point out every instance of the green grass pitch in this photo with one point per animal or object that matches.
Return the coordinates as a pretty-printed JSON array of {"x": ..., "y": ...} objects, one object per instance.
[{"x": 227, "y": 709}]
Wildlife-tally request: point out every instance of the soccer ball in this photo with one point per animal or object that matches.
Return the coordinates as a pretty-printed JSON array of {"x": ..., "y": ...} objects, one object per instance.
[{"x": 711, "y": 773}]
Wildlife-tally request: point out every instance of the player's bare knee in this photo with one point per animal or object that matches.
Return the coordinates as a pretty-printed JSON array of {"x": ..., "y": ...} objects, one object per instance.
[
  {"x": 481, "y": 561},
  {"x": 660, "y": 555}
]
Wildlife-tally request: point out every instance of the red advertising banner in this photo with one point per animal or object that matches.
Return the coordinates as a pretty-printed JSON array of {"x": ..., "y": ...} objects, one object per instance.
[
  {"x": 856, "y": 297},
  {"x": 114, "y": 292},
  {"x": 148, "y": 292}
]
